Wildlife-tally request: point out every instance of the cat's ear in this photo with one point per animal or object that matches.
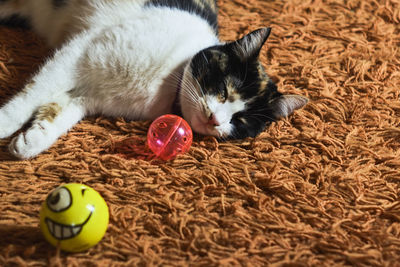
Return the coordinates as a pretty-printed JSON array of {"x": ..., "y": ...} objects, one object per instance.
[
  {"x": 285, "y": 105},
  {"x": 249, "y": 46}
]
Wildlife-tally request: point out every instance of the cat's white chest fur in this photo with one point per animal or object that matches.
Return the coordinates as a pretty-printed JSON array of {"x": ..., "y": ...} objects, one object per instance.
[{"x": 124, "y": 68}]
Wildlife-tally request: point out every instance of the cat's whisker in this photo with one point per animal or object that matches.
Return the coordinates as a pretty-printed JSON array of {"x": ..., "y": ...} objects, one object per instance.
[
  {"x": 199, "y": 85},
  {"x": 190, "y": 93},
  {"x": 192, "y": 101},
  {"x": 191, "y": 96},
  {"x": 204, "y": 55},
  {"x": 193, "y": 92},
  {"x": 259, "y": 116},
  {"x": 248, "y": 86}
]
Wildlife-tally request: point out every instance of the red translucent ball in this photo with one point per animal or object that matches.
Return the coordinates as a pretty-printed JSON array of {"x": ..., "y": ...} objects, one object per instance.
[{"x": 168, "y": 136}]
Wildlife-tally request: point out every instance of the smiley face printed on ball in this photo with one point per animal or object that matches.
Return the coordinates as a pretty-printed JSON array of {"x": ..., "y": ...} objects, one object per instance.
[{"x": 74, "y": 217}]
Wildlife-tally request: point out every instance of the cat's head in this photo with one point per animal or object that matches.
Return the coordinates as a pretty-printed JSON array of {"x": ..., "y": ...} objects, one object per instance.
[{"x": 226, "y": 93}]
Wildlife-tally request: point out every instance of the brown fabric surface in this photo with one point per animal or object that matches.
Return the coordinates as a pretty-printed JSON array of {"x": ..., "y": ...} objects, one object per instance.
[{"x": 319, "y": 188}]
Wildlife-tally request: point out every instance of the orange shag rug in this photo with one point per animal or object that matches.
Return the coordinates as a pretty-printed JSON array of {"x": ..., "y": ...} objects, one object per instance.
[{"x": 319, "y": 188}]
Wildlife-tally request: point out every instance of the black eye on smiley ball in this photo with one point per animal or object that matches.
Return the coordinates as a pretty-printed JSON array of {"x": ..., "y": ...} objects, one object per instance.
[
  {"x": 59, "y": 200},
  {"x": 74, "y": 217}
]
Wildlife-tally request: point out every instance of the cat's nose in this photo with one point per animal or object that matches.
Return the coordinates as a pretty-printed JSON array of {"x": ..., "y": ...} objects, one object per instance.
[{"x": 212, "y": 120}]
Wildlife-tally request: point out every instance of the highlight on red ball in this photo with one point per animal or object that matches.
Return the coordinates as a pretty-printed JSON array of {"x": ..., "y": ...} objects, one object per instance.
[{"x": 168, "y": 136}]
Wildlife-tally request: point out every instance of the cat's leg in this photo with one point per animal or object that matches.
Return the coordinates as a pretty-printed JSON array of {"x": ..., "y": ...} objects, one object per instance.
[
  {"x": 51, "y": 121},
  {"x": 15, "y": 113},
  {"x": 55, "y": 78},
  {"x": 19, "y": 110}
]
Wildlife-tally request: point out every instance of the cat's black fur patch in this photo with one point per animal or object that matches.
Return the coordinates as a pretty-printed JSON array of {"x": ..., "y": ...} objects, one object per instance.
[
  {"x": 214, "y": 65},
  {"x": 204, "y": 10},
  {"x": 212, "y": 76},
  {"x": 59, "y": 3},
  {"x": 257, "y": 114}
]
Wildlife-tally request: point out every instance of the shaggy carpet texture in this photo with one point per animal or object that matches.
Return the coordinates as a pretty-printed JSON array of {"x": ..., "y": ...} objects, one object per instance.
[{"x": 320, "y": 188}]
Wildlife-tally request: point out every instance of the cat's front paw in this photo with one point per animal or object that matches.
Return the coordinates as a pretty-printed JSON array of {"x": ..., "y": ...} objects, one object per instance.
[{"x": 30, "y": 143}]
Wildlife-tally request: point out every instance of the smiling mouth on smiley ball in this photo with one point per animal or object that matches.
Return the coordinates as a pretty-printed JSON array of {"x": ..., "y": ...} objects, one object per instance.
[{"x": 63, "y": 231}]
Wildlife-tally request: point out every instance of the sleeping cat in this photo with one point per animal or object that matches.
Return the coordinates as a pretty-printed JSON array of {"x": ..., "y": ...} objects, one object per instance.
[{"x": 140, "y": 59}]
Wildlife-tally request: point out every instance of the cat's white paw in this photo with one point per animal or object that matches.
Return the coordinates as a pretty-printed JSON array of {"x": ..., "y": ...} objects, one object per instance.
[{"x": 30, "y": 143}]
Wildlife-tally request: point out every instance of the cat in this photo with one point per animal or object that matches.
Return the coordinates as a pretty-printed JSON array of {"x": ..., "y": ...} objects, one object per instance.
[{"x": 140, "y": 59}]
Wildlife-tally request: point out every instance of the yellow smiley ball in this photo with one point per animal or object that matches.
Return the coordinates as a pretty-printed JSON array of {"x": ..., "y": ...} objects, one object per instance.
[{"x": 74, "y": 217}]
